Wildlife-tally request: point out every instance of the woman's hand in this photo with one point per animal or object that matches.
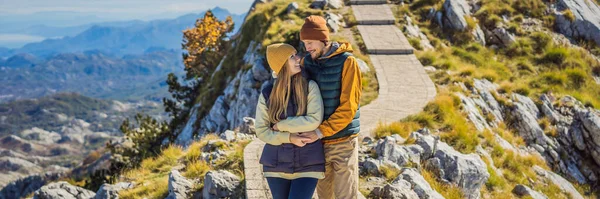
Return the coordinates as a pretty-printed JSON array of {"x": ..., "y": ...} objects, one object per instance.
[
  {"x": 275, "y": 127},
  {"x": 311, "y": 135},
  {"x": 298, "y": 140}
]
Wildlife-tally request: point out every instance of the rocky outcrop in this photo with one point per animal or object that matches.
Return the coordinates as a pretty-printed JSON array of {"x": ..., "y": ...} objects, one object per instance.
[
  {"x": 413, "y": 31},
  {"x": 399, "y": 188},
  {"x": 240, "y": 97},
  {"x": 388, "y": 150},
  {"x": 522, "y": 191},
  {"x": 109, "y": 191},
  {"x": 572, "y": 151},
  {"x": 27, "y": 185},
  {"x": 179, "y": 186},
  {"x": 454, "y": 17},
  {"x": 559, "y": 181},
  {"x": 221, "y": 184},
  {"x": 467, "y": 171},
  {"x": 578, "y": 19},
  {"x": 63, "y": 190},
  {"x": 419, "y": 185}
]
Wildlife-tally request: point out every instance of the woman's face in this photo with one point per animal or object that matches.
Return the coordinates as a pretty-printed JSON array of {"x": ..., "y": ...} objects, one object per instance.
[{"x": 294, "y": 64}]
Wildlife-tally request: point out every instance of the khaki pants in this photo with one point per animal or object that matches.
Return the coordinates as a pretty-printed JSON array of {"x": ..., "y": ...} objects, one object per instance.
[{"x": 341, "y": 171}]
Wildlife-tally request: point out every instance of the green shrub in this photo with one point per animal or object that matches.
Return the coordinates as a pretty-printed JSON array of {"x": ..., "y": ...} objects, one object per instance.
[
  {"x": 577, "y": 78},
  {"x": 415, "y": 43},
  {"x": 555, "y": 55}
]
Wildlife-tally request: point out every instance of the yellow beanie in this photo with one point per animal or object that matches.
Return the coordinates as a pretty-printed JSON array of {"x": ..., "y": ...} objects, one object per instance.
[{"x": 278, "y": 54}]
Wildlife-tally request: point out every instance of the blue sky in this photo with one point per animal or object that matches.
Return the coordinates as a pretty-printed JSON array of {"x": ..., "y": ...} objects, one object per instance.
[{"x": 122, "y": 9}]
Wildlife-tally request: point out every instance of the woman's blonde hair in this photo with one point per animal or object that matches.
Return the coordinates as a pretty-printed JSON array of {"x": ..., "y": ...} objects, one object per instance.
[{"x": 281, "y": 92}]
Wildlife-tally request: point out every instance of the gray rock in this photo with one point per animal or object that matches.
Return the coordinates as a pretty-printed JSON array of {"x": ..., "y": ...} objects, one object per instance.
[
  {"x": 388, "y": 150},
  {"x": 591, "y": 132},
  {"x": 467, "y": 171},
  {"x": 371, "y": 166},
  {"x": 504, "y": 36},
  {"x": 525, "y": 115},
  {"x": 548, "y": 108},
  {"x": 478, "y": 35},
  {"x": 27, "y": 185},
  {"x": 335, "y": 4},
  {"x": 109, "y": 191},
  {"x": 259, "y": 70},
  {"x": 318, "y": 4},
  {"x": 563, "y": 184},
  {"x": 413, "y": 31},
  {"x": 419, "y": 185},
  {"x": 228, "y": 135},
  {"x": 455, "y": 12},
  {"x": 179, "y": 186},
  {"x": 248, "y": 126},
  {"x": 522, "y": 190},
  {"x": 292, "y": 7},
  {"x": 62, "y": 190},
  {"x": 429, "y": 69},
  {"x": 362, "y": 65},
  {"x": 473, "y": 112},
  {"x": 399, "y": 189},
  {"x": 586, "y": 23},
  {"x": 219, "y": 184}
]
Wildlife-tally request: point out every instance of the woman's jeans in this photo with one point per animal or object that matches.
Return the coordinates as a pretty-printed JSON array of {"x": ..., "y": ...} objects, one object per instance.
[{"x": 300, "y": 188}]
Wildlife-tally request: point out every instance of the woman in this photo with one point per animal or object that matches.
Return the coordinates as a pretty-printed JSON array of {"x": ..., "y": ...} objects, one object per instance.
[{"x": 290, "y": 105}]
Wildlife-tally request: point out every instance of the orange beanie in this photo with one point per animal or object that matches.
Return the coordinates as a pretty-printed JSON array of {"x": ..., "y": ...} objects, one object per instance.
[{"x": 314, "y": 28}]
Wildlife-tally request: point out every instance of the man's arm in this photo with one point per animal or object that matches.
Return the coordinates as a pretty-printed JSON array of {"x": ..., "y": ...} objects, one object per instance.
[{"x": 349, "y": 100}]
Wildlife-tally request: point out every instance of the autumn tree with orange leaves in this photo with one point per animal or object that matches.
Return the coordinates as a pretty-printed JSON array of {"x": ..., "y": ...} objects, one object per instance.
[{"x": 205, "y": 44}]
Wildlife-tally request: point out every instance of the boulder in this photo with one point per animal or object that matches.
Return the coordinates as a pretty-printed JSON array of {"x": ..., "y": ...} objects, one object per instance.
[
  {"x": 556, "y": 179},
  {"x": 27, "y": 185},
  {"x": 522, "y": 190},
  {"x": 109, "y": 191},
  {"x": 400, "y": 189},
  {"x": 335, "y": 4},
  {"x": 467, "y": 171},
  {"x": 259, "y": 69},
  {"x": 585, "y": 22},
  {"x": 248, "y": 126},
  {"x": 362, "y": 65},
  {"x": 525, "y": 115},
  {"x": 419, "y": 185},
  {"x": 318, "y": 4},
  {"x": 62, "y": 190},
  {"x": 179, "y": 186},
  {"x": 292, "y": 7},
  {"x": 220, "y": 184},
  {"x": 388, "y": 150},
  {"x": 228, "y": 135},
  {"x": 455, "y": 12},
  {"x": 504, "y": 36}
]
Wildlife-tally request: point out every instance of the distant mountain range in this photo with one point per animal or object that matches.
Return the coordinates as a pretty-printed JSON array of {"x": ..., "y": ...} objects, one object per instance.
[
  {"x": 125, "y": 37},
  {"x": 92, "y": 73},
  {"x": 126, "y": 60}
]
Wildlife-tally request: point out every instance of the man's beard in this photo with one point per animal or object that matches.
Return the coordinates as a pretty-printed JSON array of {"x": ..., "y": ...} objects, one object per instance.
[{"x": 317, "y": 54}]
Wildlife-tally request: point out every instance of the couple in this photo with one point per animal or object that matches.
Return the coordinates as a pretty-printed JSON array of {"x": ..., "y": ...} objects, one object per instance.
[{"x": 309, "y": 117}]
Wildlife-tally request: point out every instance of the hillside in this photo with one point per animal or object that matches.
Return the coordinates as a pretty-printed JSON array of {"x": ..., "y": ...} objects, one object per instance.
[
  {"x": 515, "y": 113},
  {"x": 57, "y": 132}
]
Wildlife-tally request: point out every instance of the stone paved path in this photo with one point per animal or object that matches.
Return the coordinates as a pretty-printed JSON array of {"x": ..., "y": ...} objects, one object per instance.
[{"x": 404, "y": 86}]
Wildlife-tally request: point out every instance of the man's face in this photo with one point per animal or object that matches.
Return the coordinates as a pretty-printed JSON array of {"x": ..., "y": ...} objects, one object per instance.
[{"x": 314, "y": 47}]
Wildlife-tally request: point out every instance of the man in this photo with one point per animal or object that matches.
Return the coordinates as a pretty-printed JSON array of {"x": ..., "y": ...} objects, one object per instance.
[{"x": 336, "y": 71}]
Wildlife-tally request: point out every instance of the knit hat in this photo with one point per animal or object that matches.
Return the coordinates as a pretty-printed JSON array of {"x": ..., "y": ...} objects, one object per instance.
[
  {"x": 314, "y": 28},
  {"x": 277, "y": 55}
]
